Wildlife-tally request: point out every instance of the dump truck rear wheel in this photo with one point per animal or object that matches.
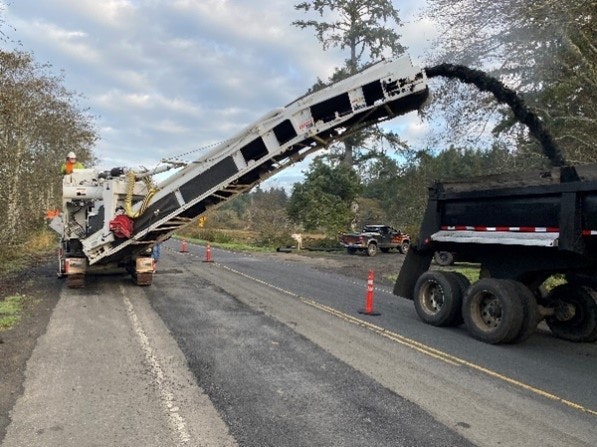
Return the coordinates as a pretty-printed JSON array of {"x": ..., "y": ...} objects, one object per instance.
[
  {"x": 531, "y": 315},
  {"x": 492, "y": 311},
  {"x": 438, "y": 299},
  {"x": 463, "y": 284},
  {"x": 575, "y": 318}
]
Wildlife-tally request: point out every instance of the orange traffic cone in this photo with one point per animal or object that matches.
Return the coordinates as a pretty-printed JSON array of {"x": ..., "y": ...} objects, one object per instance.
[
  {"x": 208, "y": 253},
  {"x": 368, "y": 310}
]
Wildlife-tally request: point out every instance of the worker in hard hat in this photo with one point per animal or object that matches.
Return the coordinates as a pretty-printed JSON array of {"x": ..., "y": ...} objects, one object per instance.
[{"x": 70, "y": 164}]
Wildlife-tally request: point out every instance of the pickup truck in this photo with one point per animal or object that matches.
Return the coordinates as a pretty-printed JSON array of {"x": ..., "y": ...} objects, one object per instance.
[{"x": 374, "y": 238}]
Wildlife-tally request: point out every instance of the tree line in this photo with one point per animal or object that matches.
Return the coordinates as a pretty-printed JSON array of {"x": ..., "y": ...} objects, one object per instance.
[
  {"x": 545, "y": 50},
  {"x": 40, "y": 122},
  {"x": 333, "y": 198}
]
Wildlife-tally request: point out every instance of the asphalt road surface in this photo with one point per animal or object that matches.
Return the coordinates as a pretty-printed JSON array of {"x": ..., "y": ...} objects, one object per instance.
[{"x": 268, "y": 350}]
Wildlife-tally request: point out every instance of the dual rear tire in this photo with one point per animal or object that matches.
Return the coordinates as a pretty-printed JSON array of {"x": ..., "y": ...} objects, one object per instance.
[
  {"x": 500, "y": 311},
  {"x": 493, "y": 310}
]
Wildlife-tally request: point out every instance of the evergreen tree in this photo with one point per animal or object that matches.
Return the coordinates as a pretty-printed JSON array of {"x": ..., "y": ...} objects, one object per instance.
[
  {"x": 367, "y": 30},
  {"x": 323, "y": 200}
]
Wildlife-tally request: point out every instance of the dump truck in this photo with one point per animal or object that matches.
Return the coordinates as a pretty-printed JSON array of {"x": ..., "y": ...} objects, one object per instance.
[
  {"x": 111, "y": 219},
  {"x": 518, "y": 230}
]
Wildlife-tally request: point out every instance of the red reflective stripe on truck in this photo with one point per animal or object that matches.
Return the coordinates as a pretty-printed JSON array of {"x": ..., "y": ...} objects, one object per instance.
[
  {"x": 511, "y": 229},
  {"x": 507, "y": 229}
]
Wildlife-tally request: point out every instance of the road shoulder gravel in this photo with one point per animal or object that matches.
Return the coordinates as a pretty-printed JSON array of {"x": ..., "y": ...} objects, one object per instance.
[{"x": 41, "y": 287}]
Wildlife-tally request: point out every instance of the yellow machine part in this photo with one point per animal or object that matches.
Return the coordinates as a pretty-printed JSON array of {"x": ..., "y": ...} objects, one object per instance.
[{"x": 128, "y": 201}]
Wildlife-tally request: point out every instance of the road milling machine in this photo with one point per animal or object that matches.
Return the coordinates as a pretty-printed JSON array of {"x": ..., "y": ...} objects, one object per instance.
[{"x": 112, "y": 219}]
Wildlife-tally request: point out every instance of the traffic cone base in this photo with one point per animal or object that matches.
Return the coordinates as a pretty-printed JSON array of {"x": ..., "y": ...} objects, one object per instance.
[{"x": 364, "y": 312}]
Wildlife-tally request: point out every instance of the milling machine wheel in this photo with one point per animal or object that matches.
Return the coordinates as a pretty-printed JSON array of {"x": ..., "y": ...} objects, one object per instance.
[
  {"x": 143, "y": 279},
  {"x": 75, "y": 281}
]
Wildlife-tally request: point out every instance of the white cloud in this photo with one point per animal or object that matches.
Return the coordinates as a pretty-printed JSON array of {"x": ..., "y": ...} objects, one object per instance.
[
  {"x": 168, "y": 76},
  {"x": 112, "y": 13}
]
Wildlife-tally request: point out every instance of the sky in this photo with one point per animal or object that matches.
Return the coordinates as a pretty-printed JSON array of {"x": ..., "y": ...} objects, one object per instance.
[{"x": 170, "y": 77}]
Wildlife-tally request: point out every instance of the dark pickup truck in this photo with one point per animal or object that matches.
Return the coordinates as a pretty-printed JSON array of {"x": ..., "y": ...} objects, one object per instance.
[{"x": 374, "y": 238}]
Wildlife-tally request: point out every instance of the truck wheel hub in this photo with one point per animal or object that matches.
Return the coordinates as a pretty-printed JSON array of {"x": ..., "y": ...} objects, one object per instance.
[
  {"x": 491, "y": 312},
  {"x": 435, "y": 299}
]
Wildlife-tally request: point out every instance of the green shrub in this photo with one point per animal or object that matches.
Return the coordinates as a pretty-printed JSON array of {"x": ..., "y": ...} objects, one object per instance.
[
  {"x": 325, "y": 242},
  {"x": 10, "y": 311},
  {"x": 275, "y": 239},
  {"x": 220, "y": 237}
]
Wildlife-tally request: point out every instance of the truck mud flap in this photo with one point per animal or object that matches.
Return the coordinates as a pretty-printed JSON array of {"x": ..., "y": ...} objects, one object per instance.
[
  {"x": 415, "y": 264},
  {"x": 75, "y": 281}
]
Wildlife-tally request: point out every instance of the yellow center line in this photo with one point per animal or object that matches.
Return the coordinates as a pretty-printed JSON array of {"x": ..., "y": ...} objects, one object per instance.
[
  {"x": 444, "y": 356},
  {"x": 418, "y": 346}
]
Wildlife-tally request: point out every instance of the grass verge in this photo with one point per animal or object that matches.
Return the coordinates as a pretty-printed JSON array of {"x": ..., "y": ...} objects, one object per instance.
[
  {"x": 471, "y": 273},
  {"x": 19, "y": 257},
  {"x": 227, "y": 245},
  {"x": 10, "y": 311},
  {"x": 13, "y": 261}
]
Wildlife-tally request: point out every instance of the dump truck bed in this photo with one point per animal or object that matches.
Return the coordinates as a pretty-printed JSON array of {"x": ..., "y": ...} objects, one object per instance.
[
  {"x": 517, "y": 230},
  {"x": 510, "y": 223},
  {"x": 561, "y": 201}
]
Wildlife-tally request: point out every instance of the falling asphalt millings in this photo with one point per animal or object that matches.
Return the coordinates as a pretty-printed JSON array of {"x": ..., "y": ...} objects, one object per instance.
[{"x": 503, "y": 94}]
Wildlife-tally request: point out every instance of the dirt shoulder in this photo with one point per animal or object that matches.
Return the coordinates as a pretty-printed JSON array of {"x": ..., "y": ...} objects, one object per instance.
[
  {"x": 42, "y": 289},
  {"x": 385, "y": 266}
]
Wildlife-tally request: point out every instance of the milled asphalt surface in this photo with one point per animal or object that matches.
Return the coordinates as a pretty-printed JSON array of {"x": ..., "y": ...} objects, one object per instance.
[
  {"x": 476, "y": 402},
  {"x": 553, "y": 365},
  {"x": 107, "y": 372},
  {"x": 276, "y": 388}
]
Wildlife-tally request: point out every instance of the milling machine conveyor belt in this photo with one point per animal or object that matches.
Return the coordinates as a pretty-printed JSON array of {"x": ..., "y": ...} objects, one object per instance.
[{"x": 276, "y": 141}]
